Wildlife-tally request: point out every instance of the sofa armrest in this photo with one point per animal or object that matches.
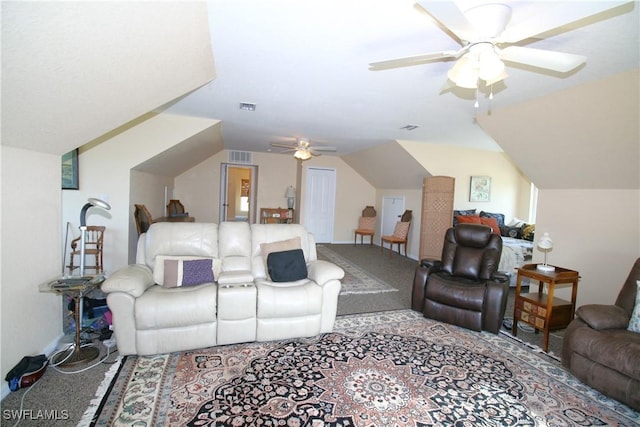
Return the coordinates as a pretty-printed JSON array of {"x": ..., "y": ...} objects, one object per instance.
[
  {"x": 321, "y": 271},
  {"x": 600, "y": 316},
  {"x": 133, "y": 279},
  {"x": 426, "y": 267}
]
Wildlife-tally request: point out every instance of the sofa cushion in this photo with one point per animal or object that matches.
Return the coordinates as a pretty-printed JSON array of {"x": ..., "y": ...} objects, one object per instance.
[
  {"x": 278, "y": 246},
  {"x": 158, "y": 271},
  {"x": 634, "y": 322},
  {"x": 178, "y": 272},
  {"x": 287, "y": 266}
]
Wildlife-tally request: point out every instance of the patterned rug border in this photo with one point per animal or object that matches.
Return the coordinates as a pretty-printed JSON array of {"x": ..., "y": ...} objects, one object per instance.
[
  {"x": 508, "y": 348},
  {"x": 373, "y": 285}
]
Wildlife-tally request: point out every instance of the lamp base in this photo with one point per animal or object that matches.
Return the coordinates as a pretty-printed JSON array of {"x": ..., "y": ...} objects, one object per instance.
[{"x": 545, "y": 267}]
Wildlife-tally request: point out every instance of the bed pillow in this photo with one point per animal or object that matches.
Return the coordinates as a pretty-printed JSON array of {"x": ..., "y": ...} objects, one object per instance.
[
  {"x": 498, "y": 216},
  {"x": 465, "y": 212},
  {"x": 516, "y": 222},
  {"x": 514, "y": 232},
  {"x": 287, "y": 266},
  {"x": 528, "y": 230},
  {"x": 468, "y": 219},
  {"x": 178, "y": 272},
  {"x": 634, "y": 322},
  {"x": 491, "y": 222}
]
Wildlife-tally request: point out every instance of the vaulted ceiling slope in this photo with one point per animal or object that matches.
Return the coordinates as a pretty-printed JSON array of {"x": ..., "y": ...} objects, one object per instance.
[
  {"x": 584, "y": 137},
  {"x": 73, "y": 71}
]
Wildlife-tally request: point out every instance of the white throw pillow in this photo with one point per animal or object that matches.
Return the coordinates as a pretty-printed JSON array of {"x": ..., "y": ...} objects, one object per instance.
[{"x": 634, "y": 323}]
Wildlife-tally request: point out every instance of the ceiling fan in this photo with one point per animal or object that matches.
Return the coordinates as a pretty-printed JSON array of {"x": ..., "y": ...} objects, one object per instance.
[
  {"x": 487, "y": 39},
  {"x": 302, "y": 149}
]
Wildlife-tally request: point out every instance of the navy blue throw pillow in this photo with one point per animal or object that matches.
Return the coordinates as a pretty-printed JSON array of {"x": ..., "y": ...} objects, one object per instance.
[{"x": 287, "y": 266}]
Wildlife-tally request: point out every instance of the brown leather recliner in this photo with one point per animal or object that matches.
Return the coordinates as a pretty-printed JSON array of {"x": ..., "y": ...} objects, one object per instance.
[
  {"x": 464, "y": 288},
  {"x": 599, "y": 350}
]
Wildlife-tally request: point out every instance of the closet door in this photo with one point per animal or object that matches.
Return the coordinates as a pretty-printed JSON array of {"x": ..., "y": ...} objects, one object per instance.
[{"x": 437, "y": 214}]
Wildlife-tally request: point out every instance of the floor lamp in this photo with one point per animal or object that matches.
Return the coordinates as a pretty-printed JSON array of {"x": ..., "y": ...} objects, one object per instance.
[{"x": 77, "y": 352}]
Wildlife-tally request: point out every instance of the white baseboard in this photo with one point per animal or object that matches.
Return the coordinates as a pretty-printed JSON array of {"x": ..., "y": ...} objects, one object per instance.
[{"x": 48, "y": 350}]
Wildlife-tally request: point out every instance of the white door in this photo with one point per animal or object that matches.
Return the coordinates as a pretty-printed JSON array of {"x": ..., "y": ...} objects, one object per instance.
[
  {"x": 392, "y": 210},
  {"x": 320, "y": 200}
]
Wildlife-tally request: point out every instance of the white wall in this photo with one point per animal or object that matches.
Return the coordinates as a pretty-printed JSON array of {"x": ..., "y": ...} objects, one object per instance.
[
  {"x": 597, "y": 233},
  {"x": 30, "y": 320}
]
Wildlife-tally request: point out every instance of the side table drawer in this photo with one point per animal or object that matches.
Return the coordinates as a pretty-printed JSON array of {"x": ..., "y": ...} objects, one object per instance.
[{"x": 530, "y": 318}]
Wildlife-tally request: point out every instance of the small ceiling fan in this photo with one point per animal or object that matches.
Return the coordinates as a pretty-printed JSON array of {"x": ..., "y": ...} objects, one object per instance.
[
  {"x": 302, "y": 148},
  {"x": 487, "y": 40}
]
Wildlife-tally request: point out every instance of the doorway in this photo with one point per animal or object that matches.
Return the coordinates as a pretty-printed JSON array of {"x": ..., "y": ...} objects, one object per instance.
[
  {"x": 320, "y": 200},
  {"x": 392, "y": 210},
  {"x": 238, "y": 193}
]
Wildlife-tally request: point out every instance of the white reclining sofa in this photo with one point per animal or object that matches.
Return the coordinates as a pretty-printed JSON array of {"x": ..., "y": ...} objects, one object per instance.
[{"x": 197, "y": 285}]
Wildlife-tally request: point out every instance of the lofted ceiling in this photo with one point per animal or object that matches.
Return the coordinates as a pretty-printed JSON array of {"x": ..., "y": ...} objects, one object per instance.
[{"x": 304, "y": 63}]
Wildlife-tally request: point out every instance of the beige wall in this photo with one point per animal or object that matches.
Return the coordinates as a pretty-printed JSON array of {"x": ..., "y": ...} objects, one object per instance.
[
  {"x": 597, "y": 233},
  {"x": 510, "y": 189},
  {"x": 199, "y": 188},
  {"x": 30, "y": 320},
  {"x": 105, "y": 173}
]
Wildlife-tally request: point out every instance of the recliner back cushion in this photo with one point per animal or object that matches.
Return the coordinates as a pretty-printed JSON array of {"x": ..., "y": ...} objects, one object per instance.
[
  {"x": 180, "y": 239},
  {"x": 471, "y": 251}
]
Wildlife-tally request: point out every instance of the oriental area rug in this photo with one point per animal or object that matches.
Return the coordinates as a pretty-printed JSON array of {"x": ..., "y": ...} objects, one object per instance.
[
  {"x": 356, "y": 280},
  {"x": 378, "y": 369}
]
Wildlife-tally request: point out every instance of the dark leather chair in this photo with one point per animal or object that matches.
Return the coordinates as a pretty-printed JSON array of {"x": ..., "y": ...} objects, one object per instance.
[
  {"x": 464, "y": 288},
  {"x": 599, "y": 350}
]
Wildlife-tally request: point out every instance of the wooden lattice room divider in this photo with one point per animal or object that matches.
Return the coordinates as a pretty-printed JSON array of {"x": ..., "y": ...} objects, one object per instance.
[{"x": 437, "y": 214}]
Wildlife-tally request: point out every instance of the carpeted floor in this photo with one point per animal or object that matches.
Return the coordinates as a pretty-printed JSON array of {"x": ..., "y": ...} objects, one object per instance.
[{"x": 383, "y": 369}]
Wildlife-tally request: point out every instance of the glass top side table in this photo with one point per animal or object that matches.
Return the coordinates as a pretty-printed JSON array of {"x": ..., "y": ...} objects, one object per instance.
[{"x": 75, "y": 288}]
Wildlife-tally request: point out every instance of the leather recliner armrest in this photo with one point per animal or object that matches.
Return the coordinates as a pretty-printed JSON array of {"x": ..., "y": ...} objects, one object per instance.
[
  {"x": 426, "y": 267},
  {"x": 133, "y": 279},
  {"x": 321, "y": 271},
  {"x": 500, "y": 277},
  {"x": 600, "y": 316},
  {"x": 495, "y": 304}
]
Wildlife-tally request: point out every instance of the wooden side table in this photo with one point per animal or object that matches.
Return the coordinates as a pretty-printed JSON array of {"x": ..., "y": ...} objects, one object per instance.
[{"x": 542, "y": 310}]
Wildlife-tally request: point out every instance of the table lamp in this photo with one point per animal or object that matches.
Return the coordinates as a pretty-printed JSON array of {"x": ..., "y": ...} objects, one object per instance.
[
  {"x": 290, "y": 194},
  {"x": 545, "y": 244}
]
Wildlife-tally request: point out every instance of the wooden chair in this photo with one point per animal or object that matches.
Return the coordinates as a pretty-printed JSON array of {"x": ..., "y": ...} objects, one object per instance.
[
  {"x": 143, "y": 218},
  {"x": 366, "y": 225},
  {"x": 400, "y": 234},
  {"x": 94, "y": 239},
  {"x": 176, "y": 208}
]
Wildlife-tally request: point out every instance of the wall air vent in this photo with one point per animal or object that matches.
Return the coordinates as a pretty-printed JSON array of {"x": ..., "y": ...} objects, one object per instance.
[{"x": 241, "y": 157}]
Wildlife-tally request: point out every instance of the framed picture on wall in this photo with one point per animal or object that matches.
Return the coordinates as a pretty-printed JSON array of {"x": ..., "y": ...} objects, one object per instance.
[
  {"x": 70, "y": 171},
  {"x": 480, "y": 190}
]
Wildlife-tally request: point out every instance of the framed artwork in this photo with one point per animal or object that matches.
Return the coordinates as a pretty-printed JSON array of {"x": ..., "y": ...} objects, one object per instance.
[
  {"x": 480, "y": 190},
  {"x": 70, "y": 171}
]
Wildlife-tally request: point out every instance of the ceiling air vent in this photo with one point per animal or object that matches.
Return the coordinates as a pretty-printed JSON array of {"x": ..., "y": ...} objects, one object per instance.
[{"x": 241, "y": 157}]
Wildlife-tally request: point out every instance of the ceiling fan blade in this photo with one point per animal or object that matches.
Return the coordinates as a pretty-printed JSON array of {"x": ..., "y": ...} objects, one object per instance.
[
  {"x": 449, "y": 15},
  {"x": 323, "y": 148},
  {"x": 557, "y": 16},
  {"x": 412, "y": 60},
  {"x": 550, "y": 60},
  {"x": 279, "y": 145}
]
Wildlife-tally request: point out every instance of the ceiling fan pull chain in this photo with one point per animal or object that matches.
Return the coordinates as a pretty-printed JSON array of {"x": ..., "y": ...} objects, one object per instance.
[{"x": 477, "y": 104}]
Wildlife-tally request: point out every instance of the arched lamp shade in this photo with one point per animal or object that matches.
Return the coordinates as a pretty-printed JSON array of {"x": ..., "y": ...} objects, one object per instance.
[{"x": 545, "y": 244}]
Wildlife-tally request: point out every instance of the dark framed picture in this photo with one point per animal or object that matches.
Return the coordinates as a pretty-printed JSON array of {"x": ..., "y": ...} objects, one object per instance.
[{"x": 70, "y": 171}]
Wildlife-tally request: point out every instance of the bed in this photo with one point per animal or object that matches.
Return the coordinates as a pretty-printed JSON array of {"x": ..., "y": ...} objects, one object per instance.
[{"x": 517, "y": 238}]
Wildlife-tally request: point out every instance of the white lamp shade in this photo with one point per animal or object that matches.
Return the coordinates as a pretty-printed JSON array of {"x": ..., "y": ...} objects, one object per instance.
[
  {"x": 291, "y": 192},
  {"x": 491, "y": 66},
  {"x": 465, "y": 72},
  {"x": 545, "y": 243},
  {"x": 302, "y": 155}
]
